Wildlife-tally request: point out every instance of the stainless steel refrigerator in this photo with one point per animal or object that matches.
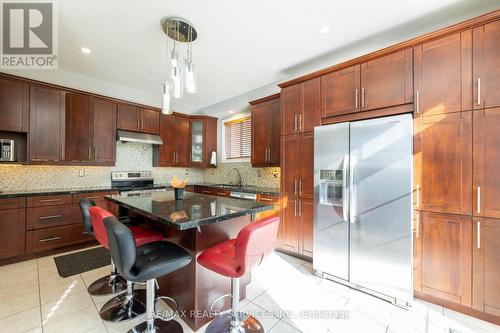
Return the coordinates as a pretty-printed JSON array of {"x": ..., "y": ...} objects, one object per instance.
[{"x": 363, "y": 205}]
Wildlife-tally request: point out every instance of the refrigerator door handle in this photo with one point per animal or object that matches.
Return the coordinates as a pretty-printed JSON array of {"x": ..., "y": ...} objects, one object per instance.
[
  {"x": 352, "y": 199},
  {"x": 345, "y": 203}
]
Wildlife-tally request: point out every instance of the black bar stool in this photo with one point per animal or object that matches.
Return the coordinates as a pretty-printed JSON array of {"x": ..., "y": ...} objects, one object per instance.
[
  {"x": 145, "y": 264},
  {"x": 109, "y": 284}
]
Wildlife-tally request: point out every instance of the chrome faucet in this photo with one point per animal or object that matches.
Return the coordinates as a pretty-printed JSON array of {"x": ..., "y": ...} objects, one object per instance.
[{"x": 239, "y": 183}]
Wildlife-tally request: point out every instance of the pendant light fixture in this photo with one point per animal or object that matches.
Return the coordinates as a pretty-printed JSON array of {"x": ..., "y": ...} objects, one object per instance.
[{"x": 181, "y": 75}]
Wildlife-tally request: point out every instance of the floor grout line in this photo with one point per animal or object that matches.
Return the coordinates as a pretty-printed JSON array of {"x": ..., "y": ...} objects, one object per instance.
[{"x": 39, "y": 294}]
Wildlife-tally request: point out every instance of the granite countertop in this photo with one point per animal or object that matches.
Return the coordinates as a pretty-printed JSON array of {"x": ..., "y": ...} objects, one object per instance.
[
  {"x": 195, "y": 210},
  {"x": 55, "y": 191}
]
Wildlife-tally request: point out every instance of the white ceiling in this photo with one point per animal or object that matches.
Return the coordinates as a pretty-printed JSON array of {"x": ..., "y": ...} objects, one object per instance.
[{"x": 241, "y": 45}]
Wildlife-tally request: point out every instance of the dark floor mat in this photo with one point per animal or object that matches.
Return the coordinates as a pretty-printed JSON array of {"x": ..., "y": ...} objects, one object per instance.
[{"x": 83, "y": 261}]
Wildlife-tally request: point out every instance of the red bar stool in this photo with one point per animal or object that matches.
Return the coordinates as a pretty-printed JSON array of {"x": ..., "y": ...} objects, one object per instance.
[
  {"x": 130, "y": 304},
  {"x": 109, "y": 284},
  {"x": 233, "y": 258}
]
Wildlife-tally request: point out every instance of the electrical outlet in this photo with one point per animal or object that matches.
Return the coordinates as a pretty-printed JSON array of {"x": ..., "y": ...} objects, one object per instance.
[
  {"x": 186, "y": 172},
  {"x": 275, "y": 174},
  {"x": 259, "y": 173},
  {"x": 81, "y": 173}
]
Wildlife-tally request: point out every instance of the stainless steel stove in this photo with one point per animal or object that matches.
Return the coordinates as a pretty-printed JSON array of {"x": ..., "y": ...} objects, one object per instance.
[{"x": 133, "y": 181}]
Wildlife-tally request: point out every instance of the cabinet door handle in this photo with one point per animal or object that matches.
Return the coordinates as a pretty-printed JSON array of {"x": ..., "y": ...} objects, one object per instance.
[
  {"x": 418, "y": 195},
  {"x": 478, "y": 234},
  {"x": 142, "y": 124},
  {"x": 138, "y": 123},
  {"x": 95, "y": 153},
  {"x": 478, "y": 91},
  {"x": 356, "y": 97},
  {"x": 50, "y": 217},
  {"x": 362, "y": 98},
  {"x": 417, "y": 102},
  {"x": 295, "y": 123},
  {"x": 417, "y": 226},
  {"x": 300, "y": 186},
  {"x": 295, "y": 207},
  {"x": 50, "y": 239},
  {"x": 62, "y": 153},
  {"x": 301, "y": 120},
  {"x": 300, "y": 208},
  {"x": 50, "y": 200},
  {"x": 479, "y": 199},
  {"x": 269, "y": 158},
  {"x": 295, "y": 186},
  {"x": 90, "y": 152}
]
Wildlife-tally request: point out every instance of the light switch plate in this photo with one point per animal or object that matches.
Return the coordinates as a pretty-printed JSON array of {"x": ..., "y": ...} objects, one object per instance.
[{"x": 81, "y": 173}]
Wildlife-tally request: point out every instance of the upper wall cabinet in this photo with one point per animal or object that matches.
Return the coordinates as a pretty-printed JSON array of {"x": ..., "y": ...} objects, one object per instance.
[
  {"x": 266, "y": 130},
  {"x": 137, "y": 119},
  {"x": 443, "y": 75},
  {"x": 486, "y": 70},
  {"x": 90, "y": 129},
  {"x": 46, "y": 136},
  {"x": 300, "y": 107},
  {"x": 14, "y": 105},
  {"x": 79, "y": 127},
  {"x": 203, "y": 140},
  {"x": 380, "y": 83}
]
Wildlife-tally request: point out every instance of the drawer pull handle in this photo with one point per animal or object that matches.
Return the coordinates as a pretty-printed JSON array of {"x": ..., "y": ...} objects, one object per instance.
[
  {"x": 50, "y": 200},
  {"x": 85, "y": 233},
  {"x": 50, "y": 217},
  {"x": 51, "y": 239},
  {"x": 221, "y": 193},
  {"x": 266, "y": 199}
]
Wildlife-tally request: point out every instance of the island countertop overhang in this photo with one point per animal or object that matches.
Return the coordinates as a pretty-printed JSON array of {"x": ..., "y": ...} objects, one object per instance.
[{"x": 195, "y": 210}]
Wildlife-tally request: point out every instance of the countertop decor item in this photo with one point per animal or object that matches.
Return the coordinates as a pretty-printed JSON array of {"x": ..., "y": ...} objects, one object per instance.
[{"x": 179, "y": 185}]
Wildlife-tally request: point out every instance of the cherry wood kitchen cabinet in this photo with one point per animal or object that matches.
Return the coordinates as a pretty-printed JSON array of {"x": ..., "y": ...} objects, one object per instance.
[
  {"x": 486, "y": 256},
  {"x": 180, "y": 134},
  {"x": 14, "y": 105},
  {"x": 306, "y": 165},
  {"x": 269, "y": 199},
  {"x": 443, "y": 75},
  {"x": 306, "y": 223},
  {"x": 445, "y": 149},
  {"x": 12, "y": 227},
  {"x": 79, "y": 128},
  {"x": 486, "y": 161},
  {"x": 340, "y": 92},
  {"x": 104, "y": 131},
  {"x": 266, "y": 130},
  {"x": 290, "y": 164},
  {"x": 445, "y": 244},
  {"x": 202, "y": 140},
  {"x": 301, "y": 107},
  {"x": 486, "y": 66},
  {"x": 47, "y": 123},
  {"x": 387, "y": 81},
  {"x": 288, "y": 232},
  {"x": 137, "y": 119}
]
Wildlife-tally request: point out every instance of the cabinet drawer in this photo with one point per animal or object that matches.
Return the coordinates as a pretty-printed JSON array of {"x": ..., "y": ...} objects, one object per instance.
[
  {"x": 49, "y": 200},
  {"x": 52, "y": 238},
  {"x": 267, "y": 198},
  {"x": 96, "y": 196},
  {"x": 12, "y": 203},
  {"x": 220, "y": 192},
  {"x": 46, "y": 217}
]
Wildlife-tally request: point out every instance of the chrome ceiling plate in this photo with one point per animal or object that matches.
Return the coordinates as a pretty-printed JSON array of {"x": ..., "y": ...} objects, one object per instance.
[{"x": 179, "y": 29}]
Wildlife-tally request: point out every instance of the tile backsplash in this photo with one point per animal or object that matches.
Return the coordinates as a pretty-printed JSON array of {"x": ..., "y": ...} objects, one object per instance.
[
  {"x": 129, "y": 157},
  {"x": 265, "y": 177}
]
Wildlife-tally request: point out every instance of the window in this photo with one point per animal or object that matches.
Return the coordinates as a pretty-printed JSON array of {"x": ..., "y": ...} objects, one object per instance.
[{"x": 237, "y": 138}]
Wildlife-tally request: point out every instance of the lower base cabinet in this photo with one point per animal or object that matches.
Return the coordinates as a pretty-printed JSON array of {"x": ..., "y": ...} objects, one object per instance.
[
  {"x": 296, "y": 226},
  {"x": 53, "y": 238},
  {"x": 486, "y": 265},
  {"x": 12, "y": 233},
  {"x": 443, "y": 256}
]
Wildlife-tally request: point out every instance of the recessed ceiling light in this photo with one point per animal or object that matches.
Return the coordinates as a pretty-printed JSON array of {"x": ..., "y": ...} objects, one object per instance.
[
  {"x": 324, "y": 30},
  {"x": 231, "y": 111},
  {"x": 85, "y": 50}
]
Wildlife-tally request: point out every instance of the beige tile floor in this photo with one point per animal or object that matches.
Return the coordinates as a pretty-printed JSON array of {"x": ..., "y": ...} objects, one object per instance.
[{"x": 33, "y": 298}]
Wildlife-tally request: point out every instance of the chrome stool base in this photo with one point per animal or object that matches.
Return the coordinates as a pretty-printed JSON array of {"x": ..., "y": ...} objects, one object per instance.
[
  {"x": 104, "y": 286},
  {"x": 161, "y": 326},
  {"x": 247, "y": 324},
  {"x": 118, "y": 309}
]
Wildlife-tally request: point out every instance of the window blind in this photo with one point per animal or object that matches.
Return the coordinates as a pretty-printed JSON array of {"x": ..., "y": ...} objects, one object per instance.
[{"x": 238, "y": 135}]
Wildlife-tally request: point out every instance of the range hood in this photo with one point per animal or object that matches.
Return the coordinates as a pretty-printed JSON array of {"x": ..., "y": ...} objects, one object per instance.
[{"x": 151, "y": 139}]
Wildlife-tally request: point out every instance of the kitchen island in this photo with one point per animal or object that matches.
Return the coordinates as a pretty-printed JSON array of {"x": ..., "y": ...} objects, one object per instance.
[{"x": 195, "y": 223}]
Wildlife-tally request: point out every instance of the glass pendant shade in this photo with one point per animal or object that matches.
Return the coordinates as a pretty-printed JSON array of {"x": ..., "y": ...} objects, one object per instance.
[
  {"x": 190, "y": 78},
  {"x": 166, "y": 108},
  {"x": 177, "y": 82}
]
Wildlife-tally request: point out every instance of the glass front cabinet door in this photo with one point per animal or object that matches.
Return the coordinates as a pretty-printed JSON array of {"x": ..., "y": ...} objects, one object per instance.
[{"x": 197, "y": 137}]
